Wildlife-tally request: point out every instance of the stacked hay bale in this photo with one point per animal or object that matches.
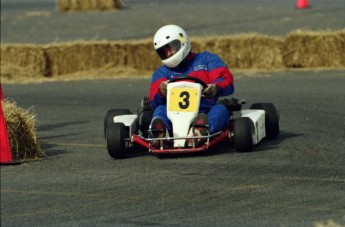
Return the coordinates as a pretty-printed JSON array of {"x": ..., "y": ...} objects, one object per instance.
[
  {"x": 82, "y": 5},
  {"x": 13, "y": 72},
  {"x": 141, "y": 55},
  {"x": 309, "y": 49},
  {"x": 65, "y": 58},
  {"x": 21, "y": 130},
  {"x": 84, "y": 56},
  {"x": 248, "y": 51},
  {"x": 30, "y": 57}
]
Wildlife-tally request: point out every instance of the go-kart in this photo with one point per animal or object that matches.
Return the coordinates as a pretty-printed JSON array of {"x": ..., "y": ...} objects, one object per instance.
[{"x": 246, "y": 128}]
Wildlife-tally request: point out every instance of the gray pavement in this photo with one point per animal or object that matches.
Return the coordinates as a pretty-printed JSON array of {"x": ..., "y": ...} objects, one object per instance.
[
  {"x": 297, "y": 179},
  {"x": 38, "y": 21}
]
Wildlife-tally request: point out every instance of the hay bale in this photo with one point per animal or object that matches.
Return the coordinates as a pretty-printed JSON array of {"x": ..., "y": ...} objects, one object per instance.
[
  {"x": 243, "y": 51},
  {"x": 21, "y": 131},
  {"x": 30, "y": 57},
  {"x": 141, "y": 55},
  {"x": 198, "y": 44},
  {"x": 85, "y": 5},
  {"x": 248, "y": 51},
  {"x": 65, "y": 58},
  {"x": 314, "y": 49},
  {"x": 14, "y": 73}
]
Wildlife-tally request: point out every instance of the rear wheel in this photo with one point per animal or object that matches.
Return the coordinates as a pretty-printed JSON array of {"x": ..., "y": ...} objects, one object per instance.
[
  {"x": 109, "y": 117},
  {"x": 243, "y": 134},
  {"x": 271, "y": 118},
  {"x": 116, "y": 136}
]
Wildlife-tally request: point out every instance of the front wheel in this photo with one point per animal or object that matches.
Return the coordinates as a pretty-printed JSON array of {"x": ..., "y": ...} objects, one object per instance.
[
  {"x": 243, "y": 134},
  {"x": 109, "y": 117},
  {"x": 116, "y": 136}
]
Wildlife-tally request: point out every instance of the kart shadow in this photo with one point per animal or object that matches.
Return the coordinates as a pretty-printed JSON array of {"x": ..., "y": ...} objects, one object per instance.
[
  {"x": 47, "y": 132},
  {"x": 137, "y": 151},
  {"x": 226, "y": 147},
  {"x": 220, "y": 148},
  {"x": 270, "y": 144}
]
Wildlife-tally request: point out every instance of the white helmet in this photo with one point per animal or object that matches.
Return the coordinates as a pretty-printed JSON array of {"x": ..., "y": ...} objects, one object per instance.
[{"x": 172, "y": 45}]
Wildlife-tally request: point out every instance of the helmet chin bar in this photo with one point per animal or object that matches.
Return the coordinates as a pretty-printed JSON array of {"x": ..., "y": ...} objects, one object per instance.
[{"x": 173, "y": 61}]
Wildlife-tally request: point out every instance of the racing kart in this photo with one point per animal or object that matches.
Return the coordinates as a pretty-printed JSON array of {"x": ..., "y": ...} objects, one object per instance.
[{"x": 246, "y": 127}]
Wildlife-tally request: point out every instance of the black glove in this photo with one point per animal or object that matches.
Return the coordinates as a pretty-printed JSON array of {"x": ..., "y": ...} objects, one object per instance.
[
  {"x": 210, "y": 91},
  {"x": 163, "y": 88}
]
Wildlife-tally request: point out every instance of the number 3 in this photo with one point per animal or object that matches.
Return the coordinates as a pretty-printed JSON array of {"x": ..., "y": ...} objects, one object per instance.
[{"x": 185, "y": 104}]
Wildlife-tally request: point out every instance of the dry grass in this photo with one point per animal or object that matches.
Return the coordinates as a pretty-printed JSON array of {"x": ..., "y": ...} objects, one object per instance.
[
  {"x": 86, "y": 5},
  {"x": 329, "y": 223},
  {"x": 21, "y": 130},
  {"x": 108, "y": 72}
]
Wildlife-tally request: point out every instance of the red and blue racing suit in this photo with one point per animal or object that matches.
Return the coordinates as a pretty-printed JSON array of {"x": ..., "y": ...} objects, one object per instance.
[{"x": 210, "y": 69}]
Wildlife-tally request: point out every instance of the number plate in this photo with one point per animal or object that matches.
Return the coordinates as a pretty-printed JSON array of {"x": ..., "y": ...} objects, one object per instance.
[{"x": 183, "y": 99}]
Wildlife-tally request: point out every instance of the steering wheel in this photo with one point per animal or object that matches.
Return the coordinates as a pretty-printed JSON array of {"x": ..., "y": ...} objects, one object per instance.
[{"x": 192, "y": 78}]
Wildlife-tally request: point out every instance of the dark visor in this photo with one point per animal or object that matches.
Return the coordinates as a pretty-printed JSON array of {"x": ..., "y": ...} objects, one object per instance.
[{"x": 169, "y": 49}]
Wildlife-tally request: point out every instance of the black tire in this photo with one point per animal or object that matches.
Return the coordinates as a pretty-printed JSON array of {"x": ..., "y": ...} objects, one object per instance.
[
  {"x": 243, "y": 134},
  {"x": 108, "y": 119},
  {"x": 271, "y": 118},
  {"x": 116, "y": 144}
]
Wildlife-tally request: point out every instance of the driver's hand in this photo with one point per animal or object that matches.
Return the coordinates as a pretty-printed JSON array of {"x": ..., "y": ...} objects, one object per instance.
[
  {"x": 210, "y": 91},
  {"x": 163, "y": 88}
]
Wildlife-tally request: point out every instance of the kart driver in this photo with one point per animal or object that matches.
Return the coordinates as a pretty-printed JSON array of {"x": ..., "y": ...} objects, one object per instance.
[{"x": 174, "y": 49}]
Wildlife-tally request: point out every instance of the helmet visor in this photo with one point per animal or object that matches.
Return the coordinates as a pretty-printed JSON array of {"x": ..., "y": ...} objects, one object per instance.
[{"x": 169, "y": 49}]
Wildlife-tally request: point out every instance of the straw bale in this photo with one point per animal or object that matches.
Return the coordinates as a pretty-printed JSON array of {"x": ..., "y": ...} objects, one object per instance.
[
  {"x": 64, "y": 58},
  {"x": 84, "y": 5},
  {"x": 15, "y": 73},
  {"x": 198, "y": 44},
  {"x": 21, "y": 130},
  {"x": 141, "y": 55},
  {"x": 248, "y": 51},
  {"x": 30, "y": 57},
  {"x": 315, "y": 49}
]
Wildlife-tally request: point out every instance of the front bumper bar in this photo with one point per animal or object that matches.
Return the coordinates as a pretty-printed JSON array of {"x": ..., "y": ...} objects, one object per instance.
[{"x": 211, "y": 140}]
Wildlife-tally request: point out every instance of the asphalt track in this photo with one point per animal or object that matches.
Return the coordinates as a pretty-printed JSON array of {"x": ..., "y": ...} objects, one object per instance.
[
  {"x": 38, "y": 21},
  {"x": 297, "y": 179}
]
